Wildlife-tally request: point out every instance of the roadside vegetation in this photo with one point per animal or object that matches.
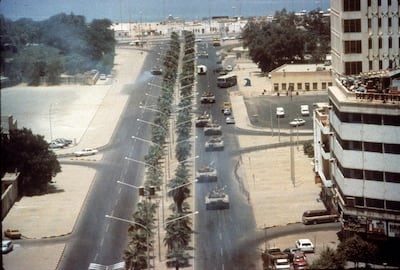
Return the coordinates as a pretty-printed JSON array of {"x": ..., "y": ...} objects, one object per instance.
[
  {"x": 29, "y": 154},
  {"x": 288, "y": 38},
  {"x": 178, "y": 225},
  {"x": 36, "y": 51}
]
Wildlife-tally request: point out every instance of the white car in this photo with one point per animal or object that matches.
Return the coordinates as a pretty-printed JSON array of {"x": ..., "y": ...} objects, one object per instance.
[
  {"x": 86, "y": 152},
  {"x": 297, "y": 122},
  {"x": 304, "y": 110},
  {"x": 230, "y": 119},
  {"x": 280, "y": 112},
  {"x": 305, "y": 245},
  {"x": 227, "y": 111},
  {"x": 6, "y": 246},
  {"x": 103, "y": 77}
]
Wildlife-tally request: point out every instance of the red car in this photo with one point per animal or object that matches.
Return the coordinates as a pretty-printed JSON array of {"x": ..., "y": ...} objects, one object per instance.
[{"x": 299, "y": 261}]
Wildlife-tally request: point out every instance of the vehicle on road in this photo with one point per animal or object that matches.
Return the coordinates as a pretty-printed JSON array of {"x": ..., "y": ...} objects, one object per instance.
[
  {"x": 206, "y": 174},
  {"x": 6, "y": 246},
  {"x": 63, "y": 141},
  {"x": 203, "y": 120},
  {"x": 280, "y": 112},
  {"x": 156, "y": 70},
  {"x": 201, "y": 69},
  {"x": 103, "y": 77},
  {"x": 297, "y": 122},
  {"x": 212, "y": 129},
  {"x": 217, "y": 199},
  {"x": 226, "y": 105},
  {"x": 202, "y": 54},
  {"x": 319, "y": 216},
  {"x": 227, "y": 111},
  {"x": 228, "y": 68},
  {"x": 305, "y": 245},
  {"x": 207, "y": 97},
  {"x": 55, "y": 145},
  {"x": 304, "y": 110},
  {"x": 216, "y": 42},
  {"x": 226, "y": 81},
  {"x": 214, "y": 143},
  {"x": 230, "y": 119},
  {"x": 290, "y": 251},
  {"x": 86, "y": 152},
  {"x": 274, "y": 258},
  {"x": 12, "y": 234}
]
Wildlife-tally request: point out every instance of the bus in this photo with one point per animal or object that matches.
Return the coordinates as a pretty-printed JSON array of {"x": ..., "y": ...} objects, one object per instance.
[{"x": 226, "y": 81}]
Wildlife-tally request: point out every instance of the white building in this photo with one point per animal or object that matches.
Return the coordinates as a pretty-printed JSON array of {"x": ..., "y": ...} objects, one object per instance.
[
  {"x": 365, "y": 35},
  {"x": 357, "y": 134}
]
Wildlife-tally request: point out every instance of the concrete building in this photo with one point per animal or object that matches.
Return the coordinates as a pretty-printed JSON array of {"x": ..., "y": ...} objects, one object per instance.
[
  {"x": 365, "y": 35},
  {"x": 301, "y": 77},
  {"x": 357, "y": 134}
]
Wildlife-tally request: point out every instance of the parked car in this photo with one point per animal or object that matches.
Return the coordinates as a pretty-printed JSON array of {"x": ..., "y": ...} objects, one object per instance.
[
  {"x": 86, "y": 152},
  {"x": 290, "y": 251},
  {"x": 305, "y": 245},
  {"x": 227, "y": 111},
  {"x": 63, "y": 141},
  {"x": 280, "y": 112},
  {"x": 12, "y": 234},
  {"x": 6, "y": 246},
  {"x": 297, "y": 122},
  {"x": 299, "y": 257},
  {"x": 230, "y": 119},
  {"x": 103, "y": 77},
  {"x": 55, "y": 145}
]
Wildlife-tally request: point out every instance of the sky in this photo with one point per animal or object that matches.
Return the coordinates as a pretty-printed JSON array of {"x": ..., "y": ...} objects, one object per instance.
[{"x": 151, "y": 10}]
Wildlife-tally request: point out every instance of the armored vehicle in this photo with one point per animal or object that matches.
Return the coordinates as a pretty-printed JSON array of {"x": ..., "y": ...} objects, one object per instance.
[{"x": 217, "y": 199}]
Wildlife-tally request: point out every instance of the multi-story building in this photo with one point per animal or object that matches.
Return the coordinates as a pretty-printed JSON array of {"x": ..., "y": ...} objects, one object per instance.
[
  {"x": 357, "y": 134},
  {"x": 365, "y": 35}
]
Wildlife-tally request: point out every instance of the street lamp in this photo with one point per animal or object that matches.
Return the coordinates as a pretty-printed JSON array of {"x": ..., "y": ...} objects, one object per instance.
[
  {"x": 195, "y": 181},
  {"x": 144, "y": 140},
  {"x": 140, "y": 225},
  {"x": 151, "y": 109},
  {"x": 181, "y": 217},
  {"x": 141, "y": 162},
  {"x": 151, "y": 123}
]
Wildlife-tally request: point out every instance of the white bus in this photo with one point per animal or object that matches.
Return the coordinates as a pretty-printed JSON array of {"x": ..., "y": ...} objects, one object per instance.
[{"x": 226, "y": 81}]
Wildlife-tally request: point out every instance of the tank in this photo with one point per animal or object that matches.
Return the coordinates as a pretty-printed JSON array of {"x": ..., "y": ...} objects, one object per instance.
[
  {"x": 217, "y": 199},
  {"x": 206, "y": 174}
]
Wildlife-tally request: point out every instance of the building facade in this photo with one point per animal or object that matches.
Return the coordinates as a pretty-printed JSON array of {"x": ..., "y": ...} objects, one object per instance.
[
  {"x": 365, "y": 35},
  {"x": 357, "y": 133}
]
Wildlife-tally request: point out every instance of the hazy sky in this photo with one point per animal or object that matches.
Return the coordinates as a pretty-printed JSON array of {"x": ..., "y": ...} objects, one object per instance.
[{"x": 151, "y": 10}]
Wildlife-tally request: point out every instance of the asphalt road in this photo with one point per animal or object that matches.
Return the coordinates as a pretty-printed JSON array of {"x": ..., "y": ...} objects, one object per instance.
[
  {"x": 97, "y": 239},
  {"x": 220, "y": 233}
]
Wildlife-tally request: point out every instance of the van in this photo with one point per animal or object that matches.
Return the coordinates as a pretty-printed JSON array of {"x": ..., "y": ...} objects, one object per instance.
[
  {"x": 319, "y": 216},
  {"x": 304, "y": 110}
]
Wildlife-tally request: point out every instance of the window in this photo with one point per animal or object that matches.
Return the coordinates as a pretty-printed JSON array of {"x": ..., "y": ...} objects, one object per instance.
[
  {"x": 373, "y": 119},
  {"x": 369, "y": 23},
  {"x": 380, "y": 64},
  {"x": 299, "y": 86},
  {"x": 352, "y": 46},
  {"x": 370, "y": 65},
  {"x": 291, "y": 87},
  {"x": 393, "y": 205},
  {"x": 374, "y": 203},
  {"x": 379, "y": 3},
  {"x": 392, "y": 177},
  {"x": 351, "y": 5},
  {"x": 352, "y": 26},
  {"x": 380, "y": 43},
  {"x": 323, "y": 86},
  {"x": 390, "y": 22},
  {"x": 392, "y": 148},
  {"x": 352, "y": 68},
  {"x": 307, "y": 86},
  {"x": 379, "y": 22},
  {"x": 370, "y": 43},
  {"x": 373, "y": 175},
  {"x": 390, "y": 42},
  {"x": 369, "y": 3},
  {"x": 391, "y": 120},
  {"x": 283, "y": 86},
  {"x": 315, "y": 86},
  {"x": 373, "y": 147},
  {"x": 276, "y": 87}
]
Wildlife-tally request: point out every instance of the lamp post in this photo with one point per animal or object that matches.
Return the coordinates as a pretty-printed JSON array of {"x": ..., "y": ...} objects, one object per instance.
[
  {"x": 50, "y": 123},
  {"x": 140, "y": 225},
  {"x": 181, "y": 217},
  {"x": 150, "y": 123},
  {"x": 151, "y": 109}
]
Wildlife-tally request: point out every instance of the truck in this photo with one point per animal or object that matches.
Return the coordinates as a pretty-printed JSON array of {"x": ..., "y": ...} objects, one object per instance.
[{"x": 276, "y": 259}]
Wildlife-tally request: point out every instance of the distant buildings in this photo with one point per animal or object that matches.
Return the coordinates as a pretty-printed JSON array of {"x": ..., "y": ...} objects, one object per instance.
[{"x": 357, "y": 134}]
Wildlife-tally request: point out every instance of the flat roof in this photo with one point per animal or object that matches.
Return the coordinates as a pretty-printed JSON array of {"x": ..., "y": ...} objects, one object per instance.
[{"x": 302, "y": 68}]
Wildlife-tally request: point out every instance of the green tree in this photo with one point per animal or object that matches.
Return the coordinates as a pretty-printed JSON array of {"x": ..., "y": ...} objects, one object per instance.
[
  {"x": 178, "y": 188},
  {"x": 100, "y": 39},
  {"x": 30, "y": 155},
  {"x": 328, "y": 259},
  {"x": 356, "y": 250}
]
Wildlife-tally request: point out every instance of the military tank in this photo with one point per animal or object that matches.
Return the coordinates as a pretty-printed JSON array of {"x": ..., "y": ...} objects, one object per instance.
[
  {"x": 217, "y": 199},
  {"x": 212, "y": 129},
  {"x": 206, "y": 174}
]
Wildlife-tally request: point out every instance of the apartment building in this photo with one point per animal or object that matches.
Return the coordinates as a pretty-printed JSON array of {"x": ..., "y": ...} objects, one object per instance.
[
  {"x": 357, "y": 133},
  {"x": 365, "y": 35}
]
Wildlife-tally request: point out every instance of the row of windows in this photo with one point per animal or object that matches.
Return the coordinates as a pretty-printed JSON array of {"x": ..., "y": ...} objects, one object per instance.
[
  {"x": 377, "y": 204},
  {"x": 387, "y": 148},
  {"x": 299, "y": 86},
  {"x": 380, "y": 3},
  {"x": 354, "y": 5},
  {"x": 354, "y": 46},
  {"x": 369, "y": 175},
  {"x": 370, "y": 119},
  {"x": 389, "y": 20},
  {"x": 372, "y": 203}
]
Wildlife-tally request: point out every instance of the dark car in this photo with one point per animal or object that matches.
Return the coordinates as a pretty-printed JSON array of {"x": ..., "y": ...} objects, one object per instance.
[{"x": 291, "y": 251}]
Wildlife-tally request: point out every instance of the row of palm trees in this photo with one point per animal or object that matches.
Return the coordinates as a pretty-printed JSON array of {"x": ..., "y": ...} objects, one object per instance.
[{"x": 178, "y": 225}]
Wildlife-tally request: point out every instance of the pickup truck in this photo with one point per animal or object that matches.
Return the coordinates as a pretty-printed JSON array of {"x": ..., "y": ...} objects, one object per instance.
[{"x": 274, "y": 258}]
